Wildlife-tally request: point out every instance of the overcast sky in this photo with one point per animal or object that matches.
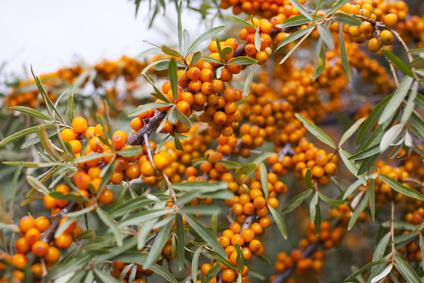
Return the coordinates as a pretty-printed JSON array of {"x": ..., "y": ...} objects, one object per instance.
[{"x": 49, "y": 33}]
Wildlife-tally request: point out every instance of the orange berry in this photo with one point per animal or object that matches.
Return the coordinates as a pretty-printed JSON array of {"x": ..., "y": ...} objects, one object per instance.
[
  {"x": 374, "y": 45},
  {"x": 20, "y": 261},
  {"x": 119, "y": 138},
  {"x": 32, "y": 236},
  {"x": 64, "y": 241},
  {"x": 386, "y": 37},
  {"x": 42, "y": 223},
  {"x": 40, "y": 248},
  {"x": 68, "y": 135},
  {"x": 52, "y": 255},
  {"x": 26, "y": 223},
  {"x": 391, "y": 20},
  {"x": 79, "y": 125},
  {"x": 106, "y": 197},
  {"x": 22, "y": 246}
]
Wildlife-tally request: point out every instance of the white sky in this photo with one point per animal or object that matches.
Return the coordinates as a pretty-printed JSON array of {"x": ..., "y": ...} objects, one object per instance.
[{"x": 49, "y": 33}]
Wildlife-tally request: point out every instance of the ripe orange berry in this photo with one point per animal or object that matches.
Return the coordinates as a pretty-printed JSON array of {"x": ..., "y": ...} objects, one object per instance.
[
  {"x": 42, "y": 223},
  {"x": 26, "y": 223},
  {"x": 119, "y": 138},
  {"x": 248, "y": 235},
  {"x": 68, "y": 135},
  {"x": 52, "y": 255},
  {"x": 391, "y": 20},
  {"x": 160, "y": 161},
  {"x": 20, "y": 261},
  {"x": 32, "y": 236},
  {"x": 98, "y": 130},
  {"x": 37, "y": 268},
  {"x": 22, "y": 246},
  {"x": 386, "y": 37},
  {"x": 106, "y": 197},
  {"x": 40, "y": 248},
  {"x": 64, "y": 241},
  {"x": 374, "y": 45},
  {"x": 71, "y": 227},
  {"x": 79, "y": 125},
  {"x": 366, "y": 28},
  {"x": 205, "y": 268},
  {"x": 228, "y": 275}
]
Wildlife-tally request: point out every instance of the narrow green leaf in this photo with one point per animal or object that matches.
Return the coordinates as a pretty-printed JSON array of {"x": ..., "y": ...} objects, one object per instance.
[
  {"x": 295, "y": 21},
  {"x": 359, "y": 210},
  {"x": 36, "y": 184},
  {"x": 296, "y": 201},
  {"x": 150, "y": 51},
  {"x": 180, "y": 29},
  {"x": 330, "y": 201},
  {"x": 326, "y": 36},
  {"x": 307, "y": 179},
  {"x": 248, "y": 81},
  {"x": 398, "y": 63},
  {"x": 113, "y": 226},
  {"x": 240, "y": 258},
  {"x": 205, "y": 234},
  {"x": 346, "y": 19},
  {"x": 257, "y": 40},
  {"x": 195, "y": 264},
  {"x": 336, "y": 7},
  {"x": 207, "y": 35},
  {"x": 320, "y": 59},
  {"x": 313, "y": 207},
  {"x": 317, "y": 132},
  {"x": 372, "y": 119},
  {"x": 31, "y": 112},
  {"x": 264, "y": 180},
  {"x": 160, "y": 242},
  {"x": 173, "y": 77},
  {"x": 241, "y": 60},
  {"x": 160, "y": 270},
  {"x": 279, "y": 221},
  {"x": 292, "y": 37},
  {"x": 171, "y": 52},
  {"x": 131, "y": 151},
  {"x": 212, "y": 273},
  {"x": 301, "y": 9},
  {"x": 395, "y": 185},
  {"x": 229, "y": 164},
  {"x": 365, "y": 268},
  {"x": 351, "y": 131},
  {"x": 410, "y": 104},
  {"x": 396, "y": 100},
  {"x": 241, "y": 22},
  {"x": 343, "y": 54},
  {"x": 353, "y": 168},
  {"x": 372, "y": 198},
  {"x": 406, "y": 270}
]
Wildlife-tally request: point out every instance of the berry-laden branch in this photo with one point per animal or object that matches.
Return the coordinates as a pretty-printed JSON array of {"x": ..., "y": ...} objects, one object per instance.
[{"x": 47, "y": 236}]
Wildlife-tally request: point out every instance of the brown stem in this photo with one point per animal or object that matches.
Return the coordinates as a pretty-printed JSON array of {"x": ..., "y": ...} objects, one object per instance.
[
  {"x": 152, "y": 124},
  {"x": 47, "y": 236}
]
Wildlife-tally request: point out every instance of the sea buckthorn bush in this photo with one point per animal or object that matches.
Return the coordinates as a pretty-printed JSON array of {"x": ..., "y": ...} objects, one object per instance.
[{"x": 286, "y": 148}]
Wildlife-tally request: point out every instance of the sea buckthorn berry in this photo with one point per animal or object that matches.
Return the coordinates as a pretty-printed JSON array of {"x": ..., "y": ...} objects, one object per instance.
[
  {"x": 119, "y": 138},
  {"x": 68, "y": 135},
  {"x": 374, "y": 45},
  {"x": 64, "y": 241},
  {"x": 26, "y": 223},
  {"x": 32, "y": 236},
  {"x": 366, "y": 28},
  {"x": 52, "y": 255},
  {"x": 106, "y": 197},
  {"x": 71, "y": 227},
  {"x": 248, "y": 235},
  {"x": 22, "y": 246},
  {"x": 205, "y": 268},
  {"x": 354, "y": 31},
  {"x": 79, "y": 125},
  {"x": 37, "y": 268},
  {"x": 390, "y": 20},
  {"x": 42, "y": 223},
  {"x": 160, "y": 161},
  {"x": 20, "y": 261},
  {"x": 386, "y": 37},
  {"x": 117, "y": 177},
  {"x": 228, "y": 275},
  {"x": 40, "y": 248}
]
